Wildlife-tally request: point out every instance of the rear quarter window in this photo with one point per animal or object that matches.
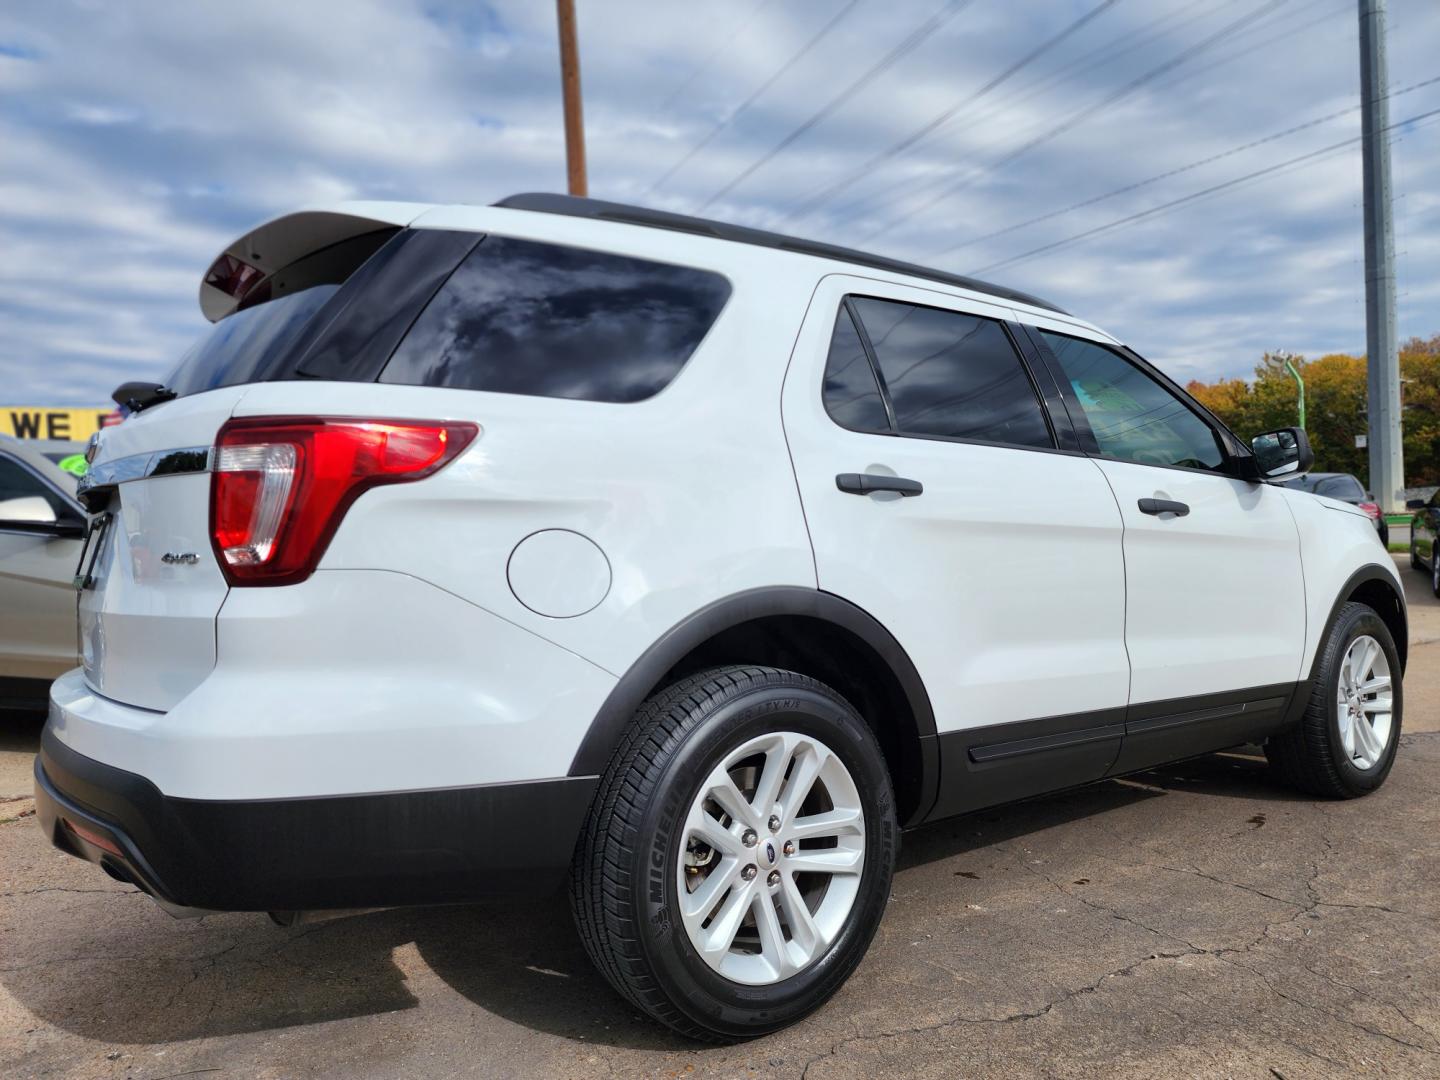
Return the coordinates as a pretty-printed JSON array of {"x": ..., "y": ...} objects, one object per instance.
[{"x": 523, "y": 317}]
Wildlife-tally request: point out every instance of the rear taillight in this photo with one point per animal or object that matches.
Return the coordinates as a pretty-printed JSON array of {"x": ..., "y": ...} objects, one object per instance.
[
  {"x": 282, "y": 484},
  {"x": 1371, "y": 509}
]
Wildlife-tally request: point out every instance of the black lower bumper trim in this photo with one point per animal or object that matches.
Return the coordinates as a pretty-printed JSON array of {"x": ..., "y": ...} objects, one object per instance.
[{"x": 412, "y": 847}]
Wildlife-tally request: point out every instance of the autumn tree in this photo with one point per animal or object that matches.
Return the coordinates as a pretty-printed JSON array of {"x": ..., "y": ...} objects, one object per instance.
[{"x": 1335, "y": 407}]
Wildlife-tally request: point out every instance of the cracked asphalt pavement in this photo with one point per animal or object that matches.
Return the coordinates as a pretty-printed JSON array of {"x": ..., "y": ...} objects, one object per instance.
[{"x": 1194, "y": 920}]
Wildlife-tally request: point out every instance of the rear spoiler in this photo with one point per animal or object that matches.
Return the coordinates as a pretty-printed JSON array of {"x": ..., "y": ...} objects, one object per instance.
[{"x": 250, "y": 260}]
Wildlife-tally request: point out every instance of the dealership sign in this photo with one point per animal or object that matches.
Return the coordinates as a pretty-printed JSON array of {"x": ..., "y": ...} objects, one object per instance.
[{"x": 39, "y": 422}]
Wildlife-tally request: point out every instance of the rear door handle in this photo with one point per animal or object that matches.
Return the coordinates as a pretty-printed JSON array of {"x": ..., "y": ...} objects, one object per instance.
[
  {"x": 866, "y": 483},
  {"x": 1163, "y": 506}
]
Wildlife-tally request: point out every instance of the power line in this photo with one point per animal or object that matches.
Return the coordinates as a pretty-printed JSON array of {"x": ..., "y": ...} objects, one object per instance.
[
  {"x": 940, "y": 119},
  {"x": 704, "y": 65},
  {"x": 1265, "y": 43},
  {"x": 1130, "y": 219},
  {"x": 1137, "y": 38},
  {"x": 1317, "y": 121},
  {"x": 916, "y": 37},
  {"x": 1078, "y": 117},
  {"x": 771, "y": 81}
]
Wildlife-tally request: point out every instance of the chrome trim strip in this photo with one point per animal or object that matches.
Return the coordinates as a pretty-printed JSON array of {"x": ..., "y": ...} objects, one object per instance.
[{"x": 180, "y": 462}]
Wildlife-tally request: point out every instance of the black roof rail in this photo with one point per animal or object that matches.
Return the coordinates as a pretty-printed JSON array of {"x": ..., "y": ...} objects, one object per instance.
[{"x": 574, "y": 206}]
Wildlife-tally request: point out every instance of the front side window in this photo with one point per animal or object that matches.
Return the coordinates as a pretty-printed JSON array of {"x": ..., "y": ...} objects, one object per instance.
[
  {"x": 950, "y": 375},
  {"x": 523, "y": 317},
  {"x": 1133, "y": 417}
]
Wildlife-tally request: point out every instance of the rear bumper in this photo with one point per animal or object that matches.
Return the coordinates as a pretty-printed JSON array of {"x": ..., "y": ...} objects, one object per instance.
[{"x": 375, "y": 850}]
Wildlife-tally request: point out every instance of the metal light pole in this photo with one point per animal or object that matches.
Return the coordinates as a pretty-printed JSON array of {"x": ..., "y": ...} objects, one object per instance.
[
  {"x": 1387, "y": 466},
  {"x": 570, "y": 87},
  {"x": 1289, "y": 361}
]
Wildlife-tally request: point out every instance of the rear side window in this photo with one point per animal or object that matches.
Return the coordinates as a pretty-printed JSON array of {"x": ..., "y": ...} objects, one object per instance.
[
  {"x": 852, "y": 397},
  {"x": 1133, "y": 417},
  {"x": 953, "y": 376},
  {"x": 521, "y": 317}
]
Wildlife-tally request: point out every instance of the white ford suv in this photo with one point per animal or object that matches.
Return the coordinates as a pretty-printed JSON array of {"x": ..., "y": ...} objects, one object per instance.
[{"x": 478, "y": 549}]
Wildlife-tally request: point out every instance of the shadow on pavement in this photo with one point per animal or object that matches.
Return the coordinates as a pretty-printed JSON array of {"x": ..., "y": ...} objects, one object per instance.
[{"x": 116, "y": 969}]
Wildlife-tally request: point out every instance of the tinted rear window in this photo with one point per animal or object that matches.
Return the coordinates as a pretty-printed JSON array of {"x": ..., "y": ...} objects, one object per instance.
[
  {"x": 520, "y": 317},
  {"x": 852, "y": 396},
  {"x": 258, "y": 342},
  {"x": 1336, "y": 487}
]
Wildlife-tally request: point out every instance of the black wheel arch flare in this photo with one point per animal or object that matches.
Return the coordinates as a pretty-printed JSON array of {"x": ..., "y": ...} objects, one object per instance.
[{"x": 915, "y": 763}]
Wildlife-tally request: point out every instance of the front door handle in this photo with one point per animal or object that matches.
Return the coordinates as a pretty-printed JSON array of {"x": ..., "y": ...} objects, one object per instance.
[
  {"x": 1163, "y": 506},
  {"x": 866, "y": 483}
]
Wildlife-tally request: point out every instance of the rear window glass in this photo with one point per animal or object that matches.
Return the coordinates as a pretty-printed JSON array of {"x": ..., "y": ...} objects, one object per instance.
[
  {"x": 1336, "y": 487},
  {"x": 257, "y": 342},
  {"x": 250, "y": 345},
  {"x": 521, "y": 317}
]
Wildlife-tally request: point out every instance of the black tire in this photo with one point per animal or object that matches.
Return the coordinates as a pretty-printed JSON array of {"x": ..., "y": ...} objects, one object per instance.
[
  {"x": 1435, "y": 567},
  {"x": 623, "y": 881},
  {"x": 1310, "y": 756},
  {"x": 1415, "y": 563}
]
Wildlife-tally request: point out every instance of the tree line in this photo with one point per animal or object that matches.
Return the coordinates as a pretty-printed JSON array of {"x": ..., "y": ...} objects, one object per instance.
[{"x": 1335, "y": 397}]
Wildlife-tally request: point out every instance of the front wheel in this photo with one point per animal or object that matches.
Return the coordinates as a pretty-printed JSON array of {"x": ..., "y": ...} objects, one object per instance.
[
  {"x": 1345, "y": 743},
  {"x": 739, "y": 853}
]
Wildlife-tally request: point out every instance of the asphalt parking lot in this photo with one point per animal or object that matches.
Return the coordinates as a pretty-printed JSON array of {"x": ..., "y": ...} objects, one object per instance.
[{"x": 1195, "y": 920}]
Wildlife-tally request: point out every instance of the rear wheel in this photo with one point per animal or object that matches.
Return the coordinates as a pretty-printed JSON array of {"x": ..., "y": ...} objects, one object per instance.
[
  {"x": 739, "y": 854},
  {"x": 1435, "y": 568},
  {"x": 1345, "y": 743}
]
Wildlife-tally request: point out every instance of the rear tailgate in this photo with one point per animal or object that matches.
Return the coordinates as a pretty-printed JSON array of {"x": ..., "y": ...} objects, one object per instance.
[
  {"x": 147, "y": 616},
  {"x": 155, "y": 586}
]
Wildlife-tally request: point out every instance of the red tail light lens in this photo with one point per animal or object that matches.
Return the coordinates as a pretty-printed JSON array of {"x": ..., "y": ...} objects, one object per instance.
[
  {"x": 1371, "y": 509},
  {"x": 281, "y": 485}
]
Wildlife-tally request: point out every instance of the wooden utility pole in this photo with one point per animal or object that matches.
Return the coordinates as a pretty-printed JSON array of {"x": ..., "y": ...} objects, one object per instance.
[{"x": 570, "y": 86}]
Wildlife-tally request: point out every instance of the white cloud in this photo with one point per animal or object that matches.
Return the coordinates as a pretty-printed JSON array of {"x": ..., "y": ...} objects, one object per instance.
[{"x": 138, "y": 140}]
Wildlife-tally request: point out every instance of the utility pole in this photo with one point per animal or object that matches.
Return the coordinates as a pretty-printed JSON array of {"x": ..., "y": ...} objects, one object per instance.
[
  {"x": 1387, "y": 465},
  {"x": 570, "y": 87}
]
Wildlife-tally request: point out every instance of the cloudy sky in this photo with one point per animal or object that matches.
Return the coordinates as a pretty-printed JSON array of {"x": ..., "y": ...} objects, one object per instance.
[{"x": 136, "y": 140}]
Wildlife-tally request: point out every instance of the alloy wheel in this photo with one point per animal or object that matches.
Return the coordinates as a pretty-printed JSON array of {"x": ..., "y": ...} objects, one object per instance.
[
  {"x": 772, "y": 853},
  {"x": 1365, "y": 702}
]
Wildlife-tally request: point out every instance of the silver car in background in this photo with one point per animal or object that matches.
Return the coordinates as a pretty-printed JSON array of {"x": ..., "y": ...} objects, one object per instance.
[{"x": 41, "y": 528}]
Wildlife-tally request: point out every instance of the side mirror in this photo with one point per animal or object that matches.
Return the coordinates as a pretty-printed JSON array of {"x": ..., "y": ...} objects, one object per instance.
[
  {"x": 33, "y": 513},
  {"x": 1414, "y": 504},
  {"x": 1282, "y": 454}
]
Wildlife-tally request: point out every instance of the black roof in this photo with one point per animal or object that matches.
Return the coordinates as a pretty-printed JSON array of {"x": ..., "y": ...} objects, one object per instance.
[{"x": 574, "y": 206}]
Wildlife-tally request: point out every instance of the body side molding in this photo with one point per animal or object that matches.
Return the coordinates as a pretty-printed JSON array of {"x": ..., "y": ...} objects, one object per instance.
[{"x": 986, "y": 766}]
